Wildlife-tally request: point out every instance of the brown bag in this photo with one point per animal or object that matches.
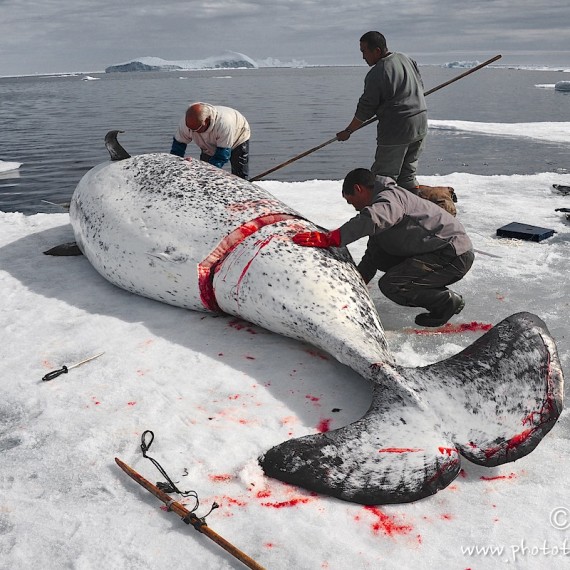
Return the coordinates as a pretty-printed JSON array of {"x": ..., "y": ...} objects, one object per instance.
[{"x": 443, "y": 196}]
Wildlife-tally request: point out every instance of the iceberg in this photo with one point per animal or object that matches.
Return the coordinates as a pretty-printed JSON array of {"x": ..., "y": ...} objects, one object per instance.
[
  {"x": 461, "y": 64},
  {"x": 227, "y": 60},
  {"x": 6, "y": 166}
]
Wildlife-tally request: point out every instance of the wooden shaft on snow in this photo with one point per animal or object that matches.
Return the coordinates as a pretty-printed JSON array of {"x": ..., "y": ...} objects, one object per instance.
[
  {"x": 311, "y": 150},
  {"x": 184, "y": 513}
]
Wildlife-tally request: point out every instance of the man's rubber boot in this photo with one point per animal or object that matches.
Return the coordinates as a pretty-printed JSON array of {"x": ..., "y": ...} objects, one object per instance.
[{"x": 437, "y": 318}]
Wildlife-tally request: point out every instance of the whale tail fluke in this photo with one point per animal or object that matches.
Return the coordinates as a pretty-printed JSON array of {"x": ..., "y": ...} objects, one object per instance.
[
  {"x": 492, "y": 403},
  {"x": 115, "y": 149},
  {"x": 394, "y": 454},
  {"x": 501, "y": 395}
]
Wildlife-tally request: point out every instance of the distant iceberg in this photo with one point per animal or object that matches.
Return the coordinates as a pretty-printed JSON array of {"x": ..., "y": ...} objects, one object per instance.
[
  {"x": 461, "y": 64},
  {"x": 228, "y": 60},
  {"x": 9, "y": 166}
]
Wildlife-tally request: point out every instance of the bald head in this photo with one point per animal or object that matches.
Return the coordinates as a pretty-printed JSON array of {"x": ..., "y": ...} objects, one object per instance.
[{"x": 197, "y": 117}]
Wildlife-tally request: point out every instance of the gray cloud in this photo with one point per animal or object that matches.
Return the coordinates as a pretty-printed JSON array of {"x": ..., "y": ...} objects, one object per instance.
[{"x": 87, "y": 35}]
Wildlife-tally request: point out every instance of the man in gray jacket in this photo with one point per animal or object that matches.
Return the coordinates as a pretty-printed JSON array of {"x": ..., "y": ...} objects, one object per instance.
[
  {"x": 394, "y": 92},
  {"x": 420, "y": 247}
]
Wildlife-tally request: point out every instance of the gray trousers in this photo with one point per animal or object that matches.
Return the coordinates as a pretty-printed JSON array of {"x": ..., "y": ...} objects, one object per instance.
[
  {"x": 421, "y": 280},
  {"x": 399, "y": 162}
]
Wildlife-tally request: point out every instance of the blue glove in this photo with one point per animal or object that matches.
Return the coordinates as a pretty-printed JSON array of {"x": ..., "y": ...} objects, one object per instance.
[{"x": 221, "y": 156}]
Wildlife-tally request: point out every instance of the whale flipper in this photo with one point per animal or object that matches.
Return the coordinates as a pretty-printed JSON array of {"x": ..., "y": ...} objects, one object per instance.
[
  {"x": 64, "y": 249},
  {"x": 115, "y": 149}
]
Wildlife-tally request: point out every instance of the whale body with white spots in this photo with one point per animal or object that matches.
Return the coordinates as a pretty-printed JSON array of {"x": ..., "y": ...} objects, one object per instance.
[{"x": 188, "y": 234}]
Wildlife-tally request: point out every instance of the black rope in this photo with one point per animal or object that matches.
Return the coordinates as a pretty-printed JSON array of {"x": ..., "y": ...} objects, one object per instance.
[{"x": 170, "y": 486}]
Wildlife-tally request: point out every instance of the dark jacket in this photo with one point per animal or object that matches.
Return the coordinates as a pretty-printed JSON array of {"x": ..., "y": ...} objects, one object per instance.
[
  {"x": 402, "y": 224},
  {"x": 394, "y": 92}
]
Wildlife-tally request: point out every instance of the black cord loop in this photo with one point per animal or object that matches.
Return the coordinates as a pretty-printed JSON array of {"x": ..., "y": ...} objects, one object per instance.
[{"x": 170, "y": 486}]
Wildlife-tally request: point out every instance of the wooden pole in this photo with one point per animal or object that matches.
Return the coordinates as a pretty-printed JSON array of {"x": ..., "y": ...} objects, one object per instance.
[
  {"x": 188, "y": 517},
  {"x": 374, "y": 119}
]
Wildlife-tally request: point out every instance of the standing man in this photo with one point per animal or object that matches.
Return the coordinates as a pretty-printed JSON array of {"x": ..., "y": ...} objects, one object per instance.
[
  {"x": 221, "y": 133},
  {"x": 394, "y": 92},
  {"x": 420, "y": 247}
]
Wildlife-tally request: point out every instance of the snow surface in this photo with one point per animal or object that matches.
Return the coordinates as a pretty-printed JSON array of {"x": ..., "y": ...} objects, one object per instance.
[{"x": 218, "y": 392}]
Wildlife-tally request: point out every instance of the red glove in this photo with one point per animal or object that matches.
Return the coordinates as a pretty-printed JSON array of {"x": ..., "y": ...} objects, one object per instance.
[{"x": 318, "y": 239}]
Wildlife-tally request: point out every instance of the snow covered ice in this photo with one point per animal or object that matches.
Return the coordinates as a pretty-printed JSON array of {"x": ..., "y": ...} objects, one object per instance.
[{"x": 217, "y": 392}]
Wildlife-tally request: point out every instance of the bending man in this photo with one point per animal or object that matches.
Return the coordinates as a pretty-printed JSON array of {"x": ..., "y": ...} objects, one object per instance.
[
  {"x": 221, "y": 133},
  {"x": 394, "y": 92},
  {"x": 420, "y": 247}
]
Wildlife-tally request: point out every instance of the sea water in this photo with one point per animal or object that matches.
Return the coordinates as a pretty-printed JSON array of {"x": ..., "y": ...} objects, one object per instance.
[{"x": 55, "y": 125}]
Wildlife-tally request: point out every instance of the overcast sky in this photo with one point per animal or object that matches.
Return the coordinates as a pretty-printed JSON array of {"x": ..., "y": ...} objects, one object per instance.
[{"x": 44, "y": 36}]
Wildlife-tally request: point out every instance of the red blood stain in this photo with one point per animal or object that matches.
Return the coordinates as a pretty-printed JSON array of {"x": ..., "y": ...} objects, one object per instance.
[
  {"x": 211, "y": 264},
  {"x": 317, "y": 354},
  {"x": 509, "y": 476},
  {"x": 234, "y": 397},
  {"x": 261, "y": 244},
  {"x": 344, "y": 307},
  {"x": 398, "y": 450},
  {"x": 290, "y": 503},
  {"x": 448, "y": 328},
  {"x": 312, "y": 398},
  {"x": 241, "y": 326},
  {"x": 446, "y": 517},
  {"x": 95, "y": 401},
  {"x": 268, "y": 545},
  {"x": 515, "y": 441},
  {"x": 419, "y": 538},
  {"x": 263, "y": 494},
  {"x": 224, "y": 478},
  {"x": 387, "y": 524},
  {"x": 324, "y": 425},
  {"x": 131, "y": 403},
  {"x": 231, "y": 501},
  {"x": 449, "y": 465},
  {"x": 447, "y": 450}
]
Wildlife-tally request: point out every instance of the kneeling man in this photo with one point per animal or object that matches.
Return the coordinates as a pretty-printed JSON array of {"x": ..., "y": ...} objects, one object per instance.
[{"x": 420, "y": 247}]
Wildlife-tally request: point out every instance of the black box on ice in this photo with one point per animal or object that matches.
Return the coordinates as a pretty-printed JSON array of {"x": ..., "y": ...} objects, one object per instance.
[{"x": 524, "y": 231}]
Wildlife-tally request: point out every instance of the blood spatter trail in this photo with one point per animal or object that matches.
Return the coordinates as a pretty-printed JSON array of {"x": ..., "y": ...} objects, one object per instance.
[
  {"x": 317, "y": 354},
  {"x": 399, "y": 450},
  {"x": 449, "y": 328},
  {"x": 497, "y": 477},
  {"x": 385, "y": 524},
  {"x": 242, "y": 325},
  {"x": 222, "y": 478}
]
